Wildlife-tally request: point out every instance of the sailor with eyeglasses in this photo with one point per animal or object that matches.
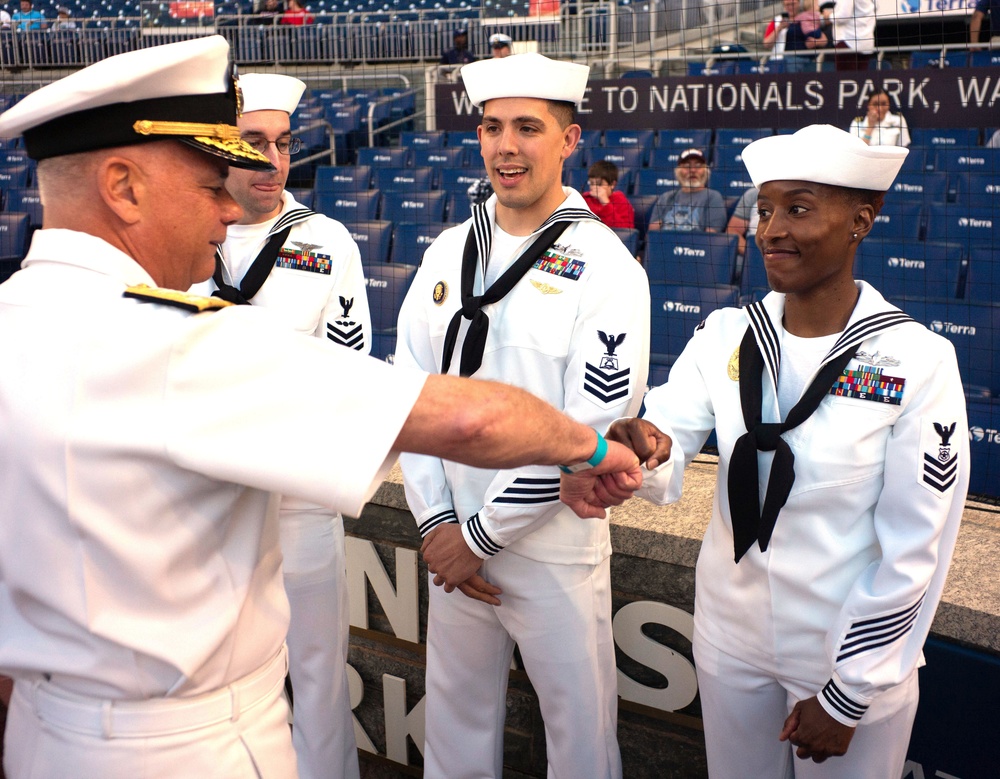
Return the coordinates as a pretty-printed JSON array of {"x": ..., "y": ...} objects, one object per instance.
[{"x": 307, "y": 269}]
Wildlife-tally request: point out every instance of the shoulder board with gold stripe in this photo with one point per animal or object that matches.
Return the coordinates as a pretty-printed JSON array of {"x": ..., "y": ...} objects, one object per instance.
[{"x": 173, "y": 297}]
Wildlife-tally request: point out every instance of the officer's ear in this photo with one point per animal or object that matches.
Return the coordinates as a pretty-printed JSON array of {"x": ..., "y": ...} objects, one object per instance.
[{"x": 121, "y": 184}]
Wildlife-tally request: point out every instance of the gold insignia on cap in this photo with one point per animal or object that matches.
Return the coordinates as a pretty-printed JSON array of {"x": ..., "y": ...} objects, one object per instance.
[
  {"x": 239, "y": 93},
  {"x": 733, "y": 369},
  {"x": 152, "y": 127},
  {"x": 234, "y": 146},
  {"x": 173, "y": 297},
  {"x": 440, "y": 294},
  {"x": 545, "y": 289}
]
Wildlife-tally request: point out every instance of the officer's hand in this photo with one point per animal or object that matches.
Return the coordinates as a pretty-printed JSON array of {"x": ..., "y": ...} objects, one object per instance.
[
  {"x": 651, "y": 445},
  {"x": 816, "y": 734},
  {"x": 477, "y": 588},
  {"x": 448, "y": 556},
  {"x": 611, "y": 482}
]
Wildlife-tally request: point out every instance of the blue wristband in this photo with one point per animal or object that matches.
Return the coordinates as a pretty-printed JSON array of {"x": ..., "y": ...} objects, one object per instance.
[{"x": 595, "y": 459}]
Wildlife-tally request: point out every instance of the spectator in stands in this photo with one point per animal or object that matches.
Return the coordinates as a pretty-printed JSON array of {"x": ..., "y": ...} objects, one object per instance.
[
  {"x": 28, "y": 18},
  {"x": 459, "y": 53},
  {"x": 854, "y": 33},
  {"x": 64, "y": 20},
  {"x": 557, "y": 306},
  {"x": 4, "y": 19},
  {"x": 777, "y": 29},
  {"x": 743, "y": 222},
  {"x": 826, "y": 21},
  {"x": 296, "y": 14},
  {"x": 994, "y": 141},
  {"x": 500, "y": 44},
  {"x": 843, "y": 471},
  {"x": 805, "y": 33},
  {"x": 983, "y": 7},
  {"x": 155, "y": 431},
  {"x": 609, "y": 203},
  {"x": 880, "y": 126},
  {"x": 269, "y": 12},
  {"x": 318, "y": 291},
  {"x": 694, "y": 206}
]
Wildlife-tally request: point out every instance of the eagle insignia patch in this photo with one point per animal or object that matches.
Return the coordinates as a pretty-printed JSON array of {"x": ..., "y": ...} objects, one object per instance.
[
  {"x": 607, "y": 382},
  {"x": 345, "y": 331},
  {"x": 939, "y": 463}
]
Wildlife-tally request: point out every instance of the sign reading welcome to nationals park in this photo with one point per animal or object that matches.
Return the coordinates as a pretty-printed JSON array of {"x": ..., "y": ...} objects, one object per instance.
[{"x": 950, "y": 97}]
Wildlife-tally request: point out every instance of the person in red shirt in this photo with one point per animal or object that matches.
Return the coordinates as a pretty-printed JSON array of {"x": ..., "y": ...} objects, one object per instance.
[
  {"x": 609, "y": 204},
  {"x": 296, "y": 14}
]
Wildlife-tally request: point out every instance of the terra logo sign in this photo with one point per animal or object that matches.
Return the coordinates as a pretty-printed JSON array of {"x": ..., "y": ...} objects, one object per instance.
[{"x": 676, "y": 307}]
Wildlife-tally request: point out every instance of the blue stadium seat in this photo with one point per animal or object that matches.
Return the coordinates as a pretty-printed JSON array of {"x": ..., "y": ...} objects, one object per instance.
[
  {"x": 343, "y": 178},
  {"x": 15, "y": 174},
  {"x": 945, "y": 137},
  {"x": 410, "y": 240},
  {"x": 933, "y": 59},
  {"x": 458, "y": 180},
  {"x": 982, "y": 283},
  {"x": 348, "y": 206},
  {"x": 977, "y": 160},
  {"x": 630, "y": 237},
  {"x": 684, "y": 139},
  {"x": 405, "y": 180},
  {"x": 590, "y": 138},
  {"x": 974, "y": 329},
  {"x": 899, "y": 221},
  {"x": 914, "y": 268},
  {"x": 25, "y": 201},
  {"x": 373, "y": 238},
  {"x": 439, "y": 158},
  {"x": 381, "y": 157},
  {"x": 302, "y": 196},
  {"x": 576, "y": 178},
  {"x": 694, "y": 258},
  {"x": 387, "y": 286},
  {"x": 630, "y": 158},
  {"x": 984, "y": 447},
  {"x": 920, "y": 187},
  {"x": 653, "y": 181},
  {"x": 630, "y": 139},
  {"x": 970, "y": 226},
  {"x": 424, "y": 139},
  {"x": 676, "y": 310},
  {"x": 643, "y": 207},
  {"x": 918, "y": 160},
  {"x": 977, "y": 189},
  {"x": 740, "y": 138},
  {"x": 753, "y": 275},
  {"x": 984, "y": 59},
  {"x": 665, "y": 157},
  {"x": 422, "y": 207},
  {"x": 462, "y": 138},
  {"x": 343, "y": 118},
  {"x": 13, "y": 242}
]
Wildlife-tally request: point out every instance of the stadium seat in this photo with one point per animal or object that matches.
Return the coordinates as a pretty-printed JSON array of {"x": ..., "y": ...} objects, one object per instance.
[
  {"x": 458, "y": 180},
  {"x": 630, "y": 237},
  {"x": 974, "y": 330},
  {"x": 643, "y": 206},
  {"x": 684, "y": 139},
  {"x": 589, "y": 138},
  {"x": 984, "y": 447},
  {"x": 423, "y": 207},
  {"x": 410, "y": 240},
  {"x": 919, "y": 187},
  {"x": 576, "y": 178},
  {"x": 462, "y": 138},
  {"x": 380, "y": 157},
  {"x": 753, "y": 275},
  {"x": 676, "y": 311},
  {"x": 348, "y": 206},
  {"x": 302, "y": 196},
  {"x": 25, "y": 201},
  {"x": 628, "y": 158},
  {"x": 977, "y": 189},
  {"x": 694, "y": 258},
  {"x": 373, "y": 238},
  {"x": 343, "y": 178},
  {"x": 984, "y": 59},
  {"x": 898, "y": 221},
  {"x": 933, "y": 59},
  {"x": 977, "y": 160},
  {"x": 970, "y": 226},
  {"x": 630, "y": 139},
  {"x": 405, "y": 180},
  {"x": 914, "y": 268},
  {"x": 944, "y": 137},
  {"x": 740, "y": 138},
  {"x": 387, "y": 286},
  {"x": 982, "y": 283},
  {"x": 13, "y": 242},
  {"x": 343, "y": 118},
  {"x": 425, "y": 139},
  {"x": 14, "y": 174},
  {"x": 653, "y": 181}
]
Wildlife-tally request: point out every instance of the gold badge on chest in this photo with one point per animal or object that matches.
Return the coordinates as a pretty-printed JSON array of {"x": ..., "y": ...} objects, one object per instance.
[{"x": 733, "y": 368}]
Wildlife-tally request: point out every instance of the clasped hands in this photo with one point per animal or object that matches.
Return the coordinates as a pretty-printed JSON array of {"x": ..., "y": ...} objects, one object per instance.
[{"x": 588, "y": 493}]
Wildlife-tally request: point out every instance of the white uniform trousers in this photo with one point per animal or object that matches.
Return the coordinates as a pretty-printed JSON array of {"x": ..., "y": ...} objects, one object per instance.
[
  {"x": 560, "y": 618},
  {"x": 239, "y": 732},
  {"x": 744, "y": 710},
  {"x": 315, "y": 573}
]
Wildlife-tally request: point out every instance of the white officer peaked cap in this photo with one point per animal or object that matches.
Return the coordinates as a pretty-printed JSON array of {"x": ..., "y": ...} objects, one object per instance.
[
  {"x": 826, "y": 155},
  {"x": 184, "y": 91},
  {"x": 270, "y": 92},
  {"x": 499, "y": 39},
  {"x": 525, "y": 75}
]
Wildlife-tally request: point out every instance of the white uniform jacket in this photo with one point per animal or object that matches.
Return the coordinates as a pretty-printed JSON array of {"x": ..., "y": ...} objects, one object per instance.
[
  {"x": 845, "y": 593},
  {"x": 575, "y": 332},
  {"x": 142, "y": 446},
  {"x": 891, "y": 131},
  {"x": 317, "y": 284}
]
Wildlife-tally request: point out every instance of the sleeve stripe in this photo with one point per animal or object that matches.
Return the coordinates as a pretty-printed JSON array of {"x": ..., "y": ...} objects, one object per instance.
[
  {"x": 886, "y": 619},
  {"x": 478, "y": 535},
  {"x": 873, "y": 643},
  {"x": 525, "y": 491},
  {"x": 430, "y": 523},
  {"x": 869, "y": 634},
  {"x": 838, "y": 699}
]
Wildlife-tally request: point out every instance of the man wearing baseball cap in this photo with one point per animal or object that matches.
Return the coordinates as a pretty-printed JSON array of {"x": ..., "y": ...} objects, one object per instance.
[
  {"x": 307, "y": 269},
  {"x": 692, "y": 207},
  {"x": 533, "y": 290},
  {"x": 148, "y": 434},
  {"x": 843, "y": 470},
  {"x": 459, "y": 53}
]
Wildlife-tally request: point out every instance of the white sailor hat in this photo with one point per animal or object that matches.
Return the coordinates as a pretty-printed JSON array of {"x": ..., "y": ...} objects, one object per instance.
[
  {"x": 270, "y": 92},
  {"x": 525, "y": 75},
  {"x": 826, "y": 155},
  {"x": 498, "y": 39},
  {"x": 184, "y": 91}
]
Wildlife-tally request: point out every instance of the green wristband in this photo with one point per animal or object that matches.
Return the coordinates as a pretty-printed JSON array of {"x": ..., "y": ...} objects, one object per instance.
[{"x": 595, "y": 459}]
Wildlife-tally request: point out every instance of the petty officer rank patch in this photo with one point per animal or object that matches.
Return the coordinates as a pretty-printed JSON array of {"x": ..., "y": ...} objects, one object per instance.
[
  {"x": 171, "y": 297},
  {"x": 939, "y": 462},
  {"x": 605, "y": 379},
  {"x": 344, "y": 330},
  {"x": 560, "y": 265},
  {"x": 869, "y": 384},
  {"x": 303, "y": 260}
]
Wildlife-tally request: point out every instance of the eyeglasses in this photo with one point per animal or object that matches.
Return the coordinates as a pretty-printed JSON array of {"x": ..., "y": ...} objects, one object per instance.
[{"x": 284, "y": 145}]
